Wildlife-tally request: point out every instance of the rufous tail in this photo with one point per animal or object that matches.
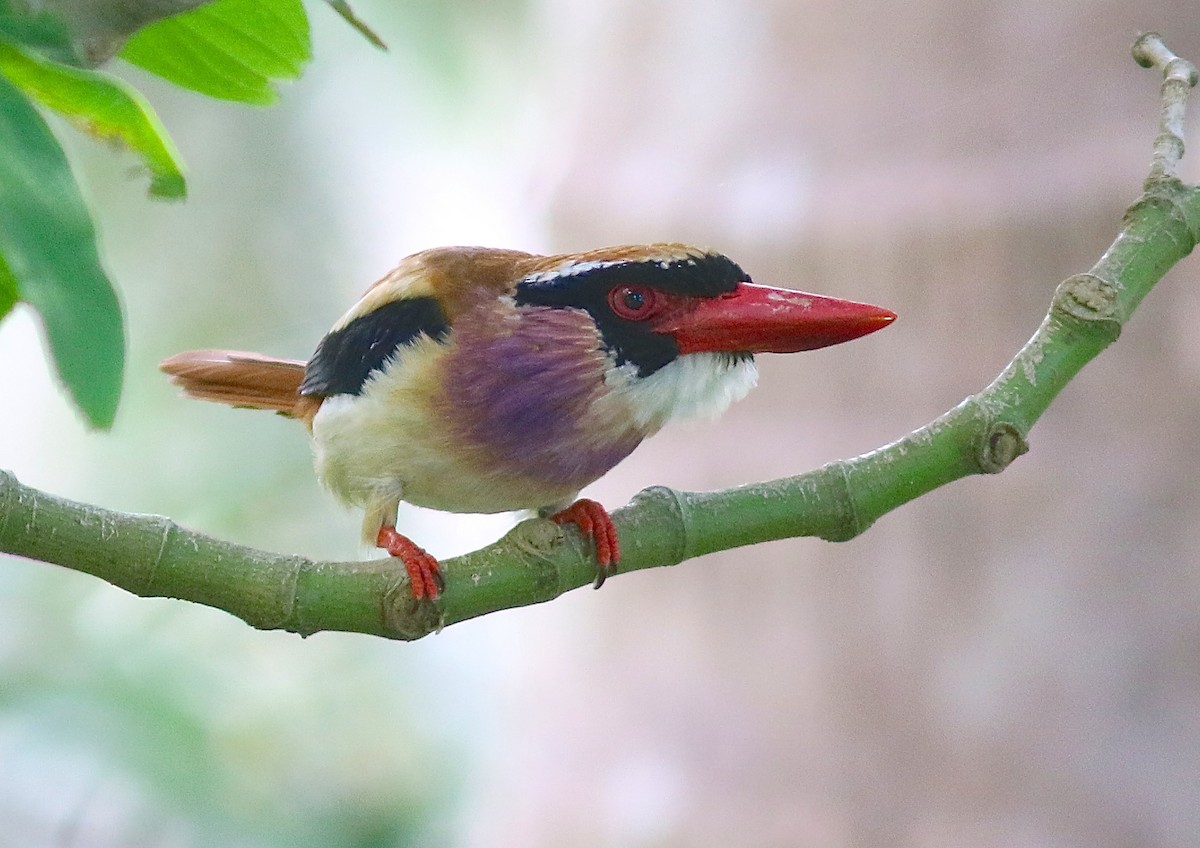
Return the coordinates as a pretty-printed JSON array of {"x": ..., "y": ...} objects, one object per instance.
[{"x": 242, "y": 379}]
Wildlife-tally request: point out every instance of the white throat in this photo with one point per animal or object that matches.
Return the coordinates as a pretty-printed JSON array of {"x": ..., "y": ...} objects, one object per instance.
[{"x": 693, "y": 385}]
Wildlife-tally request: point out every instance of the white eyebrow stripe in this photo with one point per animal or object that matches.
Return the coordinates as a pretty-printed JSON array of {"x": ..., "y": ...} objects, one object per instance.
[
  {"x": 572, "y": 269},
  {"x": 575, "y": 268}
]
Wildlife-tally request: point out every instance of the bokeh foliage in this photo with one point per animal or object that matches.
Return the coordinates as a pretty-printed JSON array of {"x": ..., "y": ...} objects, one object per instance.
[{"x": 231, "y": 49}]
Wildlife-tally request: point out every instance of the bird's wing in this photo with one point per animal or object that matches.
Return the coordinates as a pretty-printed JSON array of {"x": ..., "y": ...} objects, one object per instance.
[
  {"x": 422, "y": 296},
  {"x": 452, "y": 275},
  {"x": 349, "y": 354}
]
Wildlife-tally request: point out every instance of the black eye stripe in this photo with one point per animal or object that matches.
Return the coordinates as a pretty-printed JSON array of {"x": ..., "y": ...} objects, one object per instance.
[
  {"x": 588, "y": 287},
  {"x": 700, "y": 276}
]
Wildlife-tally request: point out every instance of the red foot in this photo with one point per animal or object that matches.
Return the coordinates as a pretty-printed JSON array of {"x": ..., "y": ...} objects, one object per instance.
[
  {"x": 424, "y": 573},
  {"x": 595, "y": 524}
]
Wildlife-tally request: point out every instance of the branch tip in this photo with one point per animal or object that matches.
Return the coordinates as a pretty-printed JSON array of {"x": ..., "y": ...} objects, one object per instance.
[
  {"x": 1179, "y": 77},
  {"x": 1150, "y": 51}
]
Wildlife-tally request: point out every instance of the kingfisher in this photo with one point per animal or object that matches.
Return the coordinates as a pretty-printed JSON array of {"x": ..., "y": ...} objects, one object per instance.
[{"x": 474, "y": 379}]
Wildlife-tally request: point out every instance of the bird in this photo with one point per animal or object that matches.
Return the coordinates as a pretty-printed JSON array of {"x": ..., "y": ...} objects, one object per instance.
[{"x": 484, "y": 380}]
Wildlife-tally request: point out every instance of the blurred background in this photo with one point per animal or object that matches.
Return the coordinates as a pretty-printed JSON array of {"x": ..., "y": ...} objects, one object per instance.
[{"x": 1010, "y": 661}]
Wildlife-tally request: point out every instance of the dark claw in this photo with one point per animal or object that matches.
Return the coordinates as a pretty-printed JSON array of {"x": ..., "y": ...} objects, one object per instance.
[{"x": 597, "y": 527}]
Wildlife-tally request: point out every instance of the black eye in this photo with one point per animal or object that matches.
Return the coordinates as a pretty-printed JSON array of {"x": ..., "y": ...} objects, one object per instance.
[{"x": 634, "y": 303}]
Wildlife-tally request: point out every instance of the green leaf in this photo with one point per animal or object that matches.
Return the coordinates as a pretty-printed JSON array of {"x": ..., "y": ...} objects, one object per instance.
[
  {"x": 102, "y": 106},
  {"x": 44, "y": 33},
  {"x": 8, "y": 289},
  {"x": 343, "y": 9},
  {"x": 231, "y": 49},
  {"x": 49, "y": 245}
]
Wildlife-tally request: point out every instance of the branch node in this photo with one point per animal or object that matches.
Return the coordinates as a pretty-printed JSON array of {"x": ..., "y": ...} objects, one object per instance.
[
  {"x": 1000, "y": 445},
  {"x": 1089, "y": 297},
  {"x": 1181, "y": 70},
  {"x": 535, "y": 541},
  {"x": 406, "y": 617},
  {"x": 676, "y": 502},
  {"x": 537, "y": 536},
  {"x": 849, "y": 523}
]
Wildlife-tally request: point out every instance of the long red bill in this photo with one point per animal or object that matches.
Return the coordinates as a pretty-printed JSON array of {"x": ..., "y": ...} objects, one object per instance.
[{"x": 763, "y": 319}]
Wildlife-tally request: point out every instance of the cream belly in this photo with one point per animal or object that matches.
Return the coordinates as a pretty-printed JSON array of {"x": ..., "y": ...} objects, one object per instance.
[
  {"x": 372, "y": 451},
  {"x": 363, "y": 457},
  {"x": 471, "y": 437}
]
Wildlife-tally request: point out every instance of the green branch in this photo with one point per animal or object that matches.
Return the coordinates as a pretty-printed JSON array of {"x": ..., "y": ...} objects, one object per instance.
[{"x": 538, "y": 560}]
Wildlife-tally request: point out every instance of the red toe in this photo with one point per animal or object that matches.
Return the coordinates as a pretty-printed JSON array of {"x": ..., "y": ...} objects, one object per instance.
[
  {"x": 597, "y": 526},
  {"x": 424, "y": 573}
]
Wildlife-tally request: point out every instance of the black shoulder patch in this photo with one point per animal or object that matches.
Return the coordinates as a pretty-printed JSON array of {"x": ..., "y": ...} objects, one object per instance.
[
  {"x": 586, "y": 286},
  {"x": 346, "y": 358}
]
